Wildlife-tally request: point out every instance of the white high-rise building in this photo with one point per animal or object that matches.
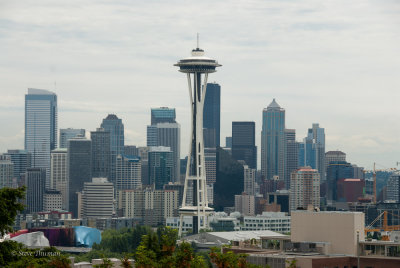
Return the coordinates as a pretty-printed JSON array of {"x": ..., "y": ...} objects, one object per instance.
[
  {"x": 128, "y": 173},
  {"x": 59, "y": 174},
  {"x": 52, "y": 201},
  {"x": 249, "y": 180},
  {"x": 98, "y": 198},
  {"x": 153, "y": 206},
  {"x": 304, "y": 188},
  {"x": 41, "y": 127}
]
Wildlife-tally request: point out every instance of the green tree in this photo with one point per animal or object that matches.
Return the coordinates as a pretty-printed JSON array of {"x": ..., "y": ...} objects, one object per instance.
[
  {"x": 10, "y": 207},
  {"x": 229, "y": 259}
]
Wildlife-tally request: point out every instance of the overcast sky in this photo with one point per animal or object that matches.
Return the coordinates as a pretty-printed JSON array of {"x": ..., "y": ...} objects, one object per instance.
[{"x": 336, "y": 63}]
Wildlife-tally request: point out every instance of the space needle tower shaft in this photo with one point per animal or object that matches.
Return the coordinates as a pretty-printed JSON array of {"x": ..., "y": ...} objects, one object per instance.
[{"x": 197, "y": 67}]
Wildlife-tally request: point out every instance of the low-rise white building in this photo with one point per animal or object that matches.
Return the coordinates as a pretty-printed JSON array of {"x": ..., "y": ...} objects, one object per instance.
[{"x": 273, "y": 221}]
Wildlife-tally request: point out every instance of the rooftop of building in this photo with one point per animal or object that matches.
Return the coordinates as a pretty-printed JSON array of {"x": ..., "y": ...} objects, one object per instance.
[{"x": 36, "y": 91}]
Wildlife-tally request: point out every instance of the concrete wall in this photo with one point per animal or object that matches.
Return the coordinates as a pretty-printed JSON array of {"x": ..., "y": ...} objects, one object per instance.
[{"x": 337, "y": 228}]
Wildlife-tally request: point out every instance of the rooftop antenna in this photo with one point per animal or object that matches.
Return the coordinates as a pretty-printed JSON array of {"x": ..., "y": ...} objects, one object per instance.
[{"x": 197, "y": 40}]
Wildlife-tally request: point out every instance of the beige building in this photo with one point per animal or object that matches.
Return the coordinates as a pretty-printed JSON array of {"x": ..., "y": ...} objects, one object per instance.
[
  {"x": 245, "y": 204},
  {"x": 98, "y": 198},
  {"x": 6, "y": 171},
  {"x": 52, "y": 201},
  {"x": 153, "y": 206},
  {"x": 58, "y": 174},
  {"x": 337, "y": 229},
  {"x": 249, "y": 180},
  {"x": 304, "y": 188}
]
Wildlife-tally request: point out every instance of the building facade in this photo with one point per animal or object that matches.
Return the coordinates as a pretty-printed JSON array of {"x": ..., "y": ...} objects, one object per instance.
[
  {"x": 129, "y": 173},
  {"x": 244, "y": 143},
  {"x": 115, "y": 127},
  {"x": 52, "y": 201},
  {"x": 273, "y": 142},
  {"x": 337, "y": 170},
  {"x": 41, "y": 127},
  {"x": 249, "y": 180},
  {"x": 69, "y": 133},
  {"x": 212, "y": 116},
  {"x": 153, "y": 206},
  {"x": 291, "y": 153},
  {"x": 393, "y": 187},
  {"x": 161, "y": 166},
  {"x": 101, "y": 153},
  {"x": 21, "y": 160},
  {"x": 245, "y": 204},
  {"x": 35, "y": 189},
  {"x": 98, "y": 198},
  {"x": 304, "y": 188},
  {"x": 6, "y": 171},
  {"x": 79, "y": 170},
  {"x": 59, "y": 175}
]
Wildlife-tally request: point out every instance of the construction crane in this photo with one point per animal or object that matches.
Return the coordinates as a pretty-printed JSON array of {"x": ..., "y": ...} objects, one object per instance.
[{"x": 385, "y": 226}]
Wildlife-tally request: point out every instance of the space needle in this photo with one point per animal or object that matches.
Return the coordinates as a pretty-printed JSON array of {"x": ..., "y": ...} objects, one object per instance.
[{"x": 197, "y": 67}]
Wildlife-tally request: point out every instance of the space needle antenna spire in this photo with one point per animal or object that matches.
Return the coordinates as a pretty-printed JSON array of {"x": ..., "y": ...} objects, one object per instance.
[{"x": 196, "y": 67}]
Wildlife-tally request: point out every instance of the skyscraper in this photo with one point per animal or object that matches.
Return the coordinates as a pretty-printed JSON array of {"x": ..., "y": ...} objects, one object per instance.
[
  {"x": 98, "y": 198},
  {"x": 6, "y": 171},
  {"x": 244, "y": 143},
  {"x": 79, "y": 169},
  {"x": 273, "y": 142},
  {"x": 59, "y": 174},
  {"x": 249, "y": 180},
  {"x": 312, "y": 150},
  {"x": 334, "y": 156},
  {"x": 115, "y": 126},
  {"x": 161, "y": 165},
  {"x": 101, "y": 153},
  {"x": 21, "y": 160},
  {"x": 129, "y": 173},
  {"x": 212, "y": 115},
  {"x": 69, "y": 133},
  {"x": 304, "y": 188},
  {"x": 35, "y": 188},
  {"x": 41, "y": 127},
  {"x": 169, "y": 135},
  {"x": 337, "y": 170},
  {"x": 393, "y": 187},
  {"x": 164, "y": 131},
  {"x": 162, "y": 115},
  {"x": 291, "y": 152}
]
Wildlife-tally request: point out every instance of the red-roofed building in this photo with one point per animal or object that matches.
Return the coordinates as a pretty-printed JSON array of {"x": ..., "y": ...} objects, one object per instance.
[{"x": 349, "y": 190}]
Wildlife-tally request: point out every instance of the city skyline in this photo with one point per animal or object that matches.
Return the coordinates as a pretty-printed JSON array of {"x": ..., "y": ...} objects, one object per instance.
[{"x": 322, "y": 69}]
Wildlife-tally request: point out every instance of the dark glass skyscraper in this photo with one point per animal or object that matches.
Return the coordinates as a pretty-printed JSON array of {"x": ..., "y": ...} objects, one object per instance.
[
  {"x": 161, "y": 166},
  {"x": 244, "y": 143},
  {"x": 79, "y": 169},
  {"x": 41, "y": 127},
  {"x": 212, "y": 115},
  {"x": 101, "y": 154},
  {"x": 35, "y": 188},
  {"x": 337, "y": 170},
  {"x": 273, "y": 142},
  {"x": 115, "y": 126}
]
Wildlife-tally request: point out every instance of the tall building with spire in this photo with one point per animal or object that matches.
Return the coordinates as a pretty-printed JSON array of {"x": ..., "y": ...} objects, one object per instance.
[
  {"x": 273, "y": 142},
  {"x": 114, "y": 125},
  {"x": 41, "y": 127}
]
